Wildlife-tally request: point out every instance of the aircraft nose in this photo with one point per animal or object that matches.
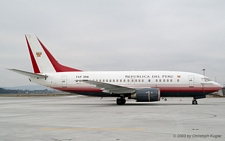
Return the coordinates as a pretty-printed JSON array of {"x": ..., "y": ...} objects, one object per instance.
[{"x": 218, "y": 85}]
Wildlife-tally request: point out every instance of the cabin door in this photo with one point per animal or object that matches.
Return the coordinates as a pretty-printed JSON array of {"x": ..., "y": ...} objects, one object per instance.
[{"x": 191, "y": 81}]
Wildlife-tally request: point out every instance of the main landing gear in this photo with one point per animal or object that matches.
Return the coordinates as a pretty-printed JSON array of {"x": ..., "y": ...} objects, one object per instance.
[
  {"x": 194, "y": 102},
  {"x": 165, "y": 99},
  {"x": 120, "y": 101}
]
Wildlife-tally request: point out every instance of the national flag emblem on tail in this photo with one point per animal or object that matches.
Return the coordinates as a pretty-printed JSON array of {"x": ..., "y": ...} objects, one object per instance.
[{"x": 38, "y": 54}]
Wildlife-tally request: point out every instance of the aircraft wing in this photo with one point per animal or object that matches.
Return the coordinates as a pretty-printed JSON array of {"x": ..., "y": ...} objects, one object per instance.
[
  {"x": 110, "y": 88},
  {"x": 29, "y": 74}
]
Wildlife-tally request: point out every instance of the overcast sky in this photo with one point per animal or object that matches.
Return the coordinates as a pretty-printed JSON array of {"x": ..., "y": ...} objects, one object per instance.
[{"x": 115, "y": 35}]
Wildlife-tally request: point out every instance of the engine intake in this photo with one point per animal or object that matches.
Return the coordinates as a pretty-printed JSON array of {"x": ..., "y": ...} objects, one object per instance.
[{"x": 146, "y": 95}]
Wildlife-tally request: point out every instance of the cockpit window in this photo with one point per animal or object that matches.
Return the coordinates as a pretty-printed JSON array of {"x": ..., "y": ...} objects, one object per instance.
[{"x": 206, "y": 79}]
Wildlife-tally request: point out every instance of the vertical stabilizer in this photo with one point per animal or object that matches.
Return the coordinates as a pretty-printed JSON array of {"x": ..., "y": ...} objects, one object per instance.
[{"x": 42, "y": 60}]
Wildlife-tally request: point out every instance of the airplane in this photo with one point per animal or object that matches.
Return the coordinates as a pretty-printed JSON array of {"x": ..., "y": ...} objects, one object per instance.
[{"x": 143, "y": 86}]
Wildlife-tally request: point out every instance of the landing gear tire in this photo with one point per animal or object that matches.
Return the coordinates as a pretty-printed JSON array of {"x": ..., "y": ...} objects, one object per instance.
[
  {"x": 165, "y": 99},
  {"x": 194, "y": 102},
  {"x": 120, "y": 101}
]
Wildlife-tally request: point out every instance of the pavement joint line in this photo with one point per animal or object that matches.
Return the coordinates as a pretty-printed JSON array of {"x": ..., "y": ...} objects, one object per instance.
[{"x": 94, "y": 129}]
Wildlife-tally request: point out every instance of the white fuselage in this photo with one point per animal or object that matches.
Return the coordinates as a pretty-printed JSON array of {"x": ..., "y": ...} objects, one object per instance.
[{"x": 167, "y": 81}]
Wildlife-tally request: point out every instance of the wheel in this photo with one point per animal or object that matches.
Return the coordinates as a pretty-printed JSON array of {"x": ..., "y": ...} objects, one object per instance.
[
  {"x": 194, "y": 102},
  {"x": 120, "y": 101},
  {"x": 123, "y": 101},
  {"x": 165, "y": 99}
]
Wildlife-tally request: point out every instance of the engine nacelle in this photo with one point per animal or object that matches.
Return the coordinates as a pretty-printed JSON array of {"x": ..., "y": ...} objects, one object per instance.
[{"x": 146, "y": 95}]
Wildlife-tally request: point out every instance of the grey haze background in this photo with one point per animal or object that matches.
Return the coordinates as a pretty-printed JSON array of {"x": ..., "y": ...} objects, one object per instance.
[{"x": 115, "y": 35}]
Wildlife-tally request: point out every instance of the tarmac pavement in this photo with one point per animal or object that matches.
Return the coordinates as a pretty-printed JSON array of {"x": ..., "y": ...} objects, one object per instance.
[{"x": 73, "y": 118}]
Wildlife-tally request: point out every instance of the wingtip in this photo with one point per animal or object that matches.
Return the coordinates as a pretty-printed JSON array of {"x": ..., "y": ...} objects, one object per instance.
[{"x": 9, "y": 69}]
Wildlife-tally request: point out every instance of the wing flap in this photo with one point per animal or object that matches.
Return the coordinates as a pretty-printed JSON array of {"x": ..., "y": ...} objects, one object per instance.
[{"x": 110, "y": 88}]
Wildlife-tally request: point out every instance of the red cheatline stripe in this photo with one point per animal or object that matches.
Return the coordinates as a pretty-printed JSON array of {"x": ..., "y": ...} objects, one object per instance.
[
  {"x": 58, "y": 67},
  {"x": 175, "y": 89},
  {"x": 34, "y": 63}
]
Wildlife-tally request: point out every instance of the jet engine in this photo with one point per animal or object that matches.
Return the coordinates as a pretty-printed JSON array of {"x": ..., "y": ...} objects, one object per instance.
[{"x": 146, "y": 95}]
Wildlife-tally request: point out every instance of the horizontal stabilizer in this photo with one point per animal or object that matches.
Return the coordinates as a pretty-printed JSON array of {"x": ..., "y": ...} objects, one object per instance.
[{"x": 29, "y": 74}]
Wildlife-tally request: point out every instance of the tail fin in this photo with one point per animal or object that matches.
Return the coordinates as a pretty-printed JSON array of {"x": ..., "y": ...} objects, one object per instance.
[{"x": 42, "y": 60}]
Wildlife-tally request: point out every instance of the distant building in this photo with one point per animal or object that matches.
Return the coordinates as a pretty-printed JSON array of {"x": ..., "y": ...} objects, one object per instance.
[
  {"x": 10, "y": 91},
  {"x": 223, "y": 90}
]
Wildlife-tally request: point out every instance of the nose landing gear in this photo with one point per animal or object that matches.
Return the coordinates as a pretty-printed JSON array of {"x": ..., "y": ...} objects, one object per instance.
[{"x": 194, "y": 102}]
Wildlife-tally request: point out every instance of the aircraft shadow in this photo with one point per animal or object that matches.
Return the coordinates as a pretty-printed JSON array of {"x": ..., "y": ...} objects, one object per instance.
[{"x": 134, "y": 104}]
